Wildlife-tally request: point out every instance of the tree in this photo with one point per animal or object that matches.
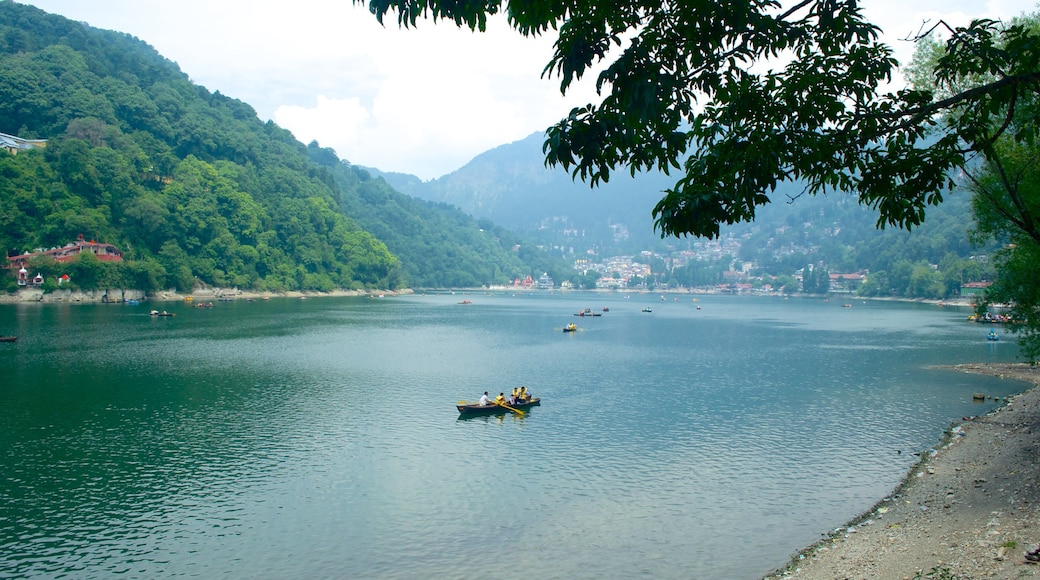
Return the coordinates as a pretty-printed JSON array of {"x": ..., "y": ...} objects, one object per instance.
[
  {"x": 699, "y": 87},
  {"x": 1005, "y": 181},
  {"x": 1006, "y": 206}
]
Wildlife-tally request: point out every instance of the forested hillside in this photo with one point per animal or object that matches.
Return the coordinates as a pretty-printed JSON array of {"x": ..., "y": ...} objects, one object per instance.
[
  {"x": 834, "y": 232},
  {"x": 193, "y": 187}
]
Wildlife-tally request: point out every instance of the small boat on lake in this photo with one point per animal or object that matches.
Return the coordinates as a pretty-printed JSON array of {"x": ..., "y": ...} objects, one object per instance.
[
  {"x": 473, "y": 409},
  {"x": 647, "y": 309},
  {"x": 8, "y": 338},
  {"x": 570, "y": 327},
  {"x": 992, "y": 335}
]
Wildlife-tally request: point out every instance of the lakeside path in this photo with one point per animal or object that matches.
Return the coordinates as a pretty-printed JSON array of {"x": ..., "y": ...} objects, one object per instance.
[{"x": 971, "y": 509}]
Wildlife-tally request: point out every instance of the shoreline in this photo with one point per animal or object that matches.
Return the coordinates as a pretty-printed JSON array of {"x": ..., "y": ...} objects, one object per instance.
[
  {"x": 35, "y": 295},
  {"x": 970, "y": 509}
]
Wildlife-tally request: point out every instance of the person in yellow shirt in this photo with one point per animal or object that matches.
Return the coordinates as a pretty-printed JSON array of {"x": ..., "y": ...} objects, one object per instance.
[{"x": 500, "y": 399}]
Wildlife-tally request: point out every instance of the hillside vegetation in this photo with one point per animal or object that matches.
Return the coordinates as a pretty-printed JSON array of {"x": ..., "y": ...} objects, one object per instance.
[
  {"x": 193, "y": 187},
  {"x": 511, "y": 185}
]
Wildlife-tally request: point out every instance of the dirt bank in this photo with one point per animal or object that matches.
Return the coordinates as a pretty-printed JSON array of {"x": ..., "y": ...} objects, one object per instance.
[{"x": 970, "y": 510}]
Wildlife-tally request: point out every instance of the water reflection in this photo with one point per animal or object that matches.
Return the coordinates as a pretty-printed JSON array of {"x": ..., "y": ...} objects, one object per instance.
[{"x": 320, "y": 438}]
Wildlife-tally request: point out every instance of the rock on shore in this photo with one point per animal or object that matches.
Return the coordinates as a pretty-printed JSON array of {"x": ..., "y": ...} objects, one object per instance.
[{"x": 971, "y": 509}]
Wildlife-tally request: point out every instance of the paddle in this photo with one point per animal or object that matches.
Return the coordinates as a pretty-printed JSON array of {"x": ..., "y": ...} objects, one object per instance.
[{"x": 517, "y": 411}]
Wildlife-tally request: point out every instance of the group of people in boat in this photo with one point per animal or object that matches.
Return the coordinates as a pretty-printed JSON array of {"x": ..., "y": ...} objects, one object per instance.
[{"x": 518, "y": 396}]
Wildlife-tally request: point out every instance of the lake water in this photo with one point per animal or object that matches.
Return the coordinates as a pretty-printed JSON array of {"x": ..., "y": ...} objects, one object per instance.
[{"x": 319, "y": 439}]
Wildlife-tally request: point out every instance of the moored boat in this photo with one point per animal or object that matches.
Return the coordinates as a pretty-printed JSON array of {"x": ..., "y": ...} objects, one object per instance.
[{"x": 467, "y": 409}]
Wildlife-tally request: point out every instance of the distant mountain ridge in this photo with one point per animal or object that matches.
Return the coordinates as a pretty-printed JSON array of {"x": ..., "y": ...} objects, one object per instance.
[{"x": 511, "y": 186}]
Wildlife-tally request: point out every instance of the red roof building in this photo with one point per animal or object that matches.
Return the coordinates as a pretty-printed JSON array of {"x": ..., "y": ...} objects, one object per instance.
[{"x": 104, "y": 252}]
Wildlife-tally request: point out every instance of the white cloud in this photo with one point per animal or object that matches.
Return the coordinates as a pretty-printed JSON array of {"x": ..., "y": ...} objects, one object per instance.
[{"x": 423, "y": 100}]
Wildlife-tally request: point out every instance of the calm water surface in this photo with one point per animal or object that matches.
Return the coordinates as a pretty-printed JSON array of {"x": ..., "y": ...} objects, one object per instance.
[{"x": 319, "y": 439}]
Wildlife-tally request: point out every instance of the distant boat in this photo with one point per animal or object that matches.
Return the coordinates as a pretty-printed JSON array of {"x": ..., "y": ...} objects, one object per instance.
[
  {"x": 647, "y": 309},
  {"x": 570, "y": 327},
  {"x": 8, "y": 338},
  {"x": 992, "y": 335}
]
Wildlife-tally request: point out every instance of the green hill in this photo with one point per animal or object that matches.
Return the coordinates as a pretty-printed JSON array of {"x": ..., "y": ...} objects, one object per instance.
[
  {"x": 192, "y": 186},
  {"x": 511, "y": 185}
]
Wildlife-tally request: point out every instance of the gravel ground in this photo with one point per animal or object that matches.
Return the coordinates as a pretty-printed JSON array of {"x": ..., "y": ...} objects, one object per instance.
[{"x": 969, "y": 510}]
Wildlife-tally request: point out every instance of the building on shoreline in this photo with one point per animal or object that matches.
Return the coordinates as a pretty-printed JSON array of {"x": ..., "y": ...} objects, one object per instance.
[{"x": 104, "y": 252}]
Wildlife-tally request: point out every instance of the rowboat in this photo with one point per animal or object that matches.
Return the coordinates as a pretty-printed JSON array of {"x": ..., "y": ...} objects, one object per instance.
[
  {"x": 570, "y": 327},
  {"x": 471, "y": 409},
  {"x": 8, "y": 338}
]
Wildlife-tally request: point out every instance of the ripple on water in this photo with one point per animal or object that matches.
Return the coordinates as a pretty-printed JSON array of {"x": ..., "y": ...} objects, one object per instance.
[{"x": 319, "y": 438}]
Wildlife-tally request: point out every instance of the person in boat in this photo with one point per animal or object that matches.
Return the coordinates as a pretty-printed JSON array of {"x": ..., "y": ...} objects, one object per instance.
[
  {"x": 524, "y": 397},
  {"x": 484, "y": 400},
  {"x": 500, "y": 399}
]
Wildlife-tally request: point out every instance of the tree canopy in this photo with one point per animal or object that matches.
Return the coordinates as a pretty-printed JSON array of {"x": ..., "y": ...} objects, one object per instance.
[
  {"x": 194, "y": 188},
  {"x": 1003, "y": 179},
  {"x": 739, "y": 97}
]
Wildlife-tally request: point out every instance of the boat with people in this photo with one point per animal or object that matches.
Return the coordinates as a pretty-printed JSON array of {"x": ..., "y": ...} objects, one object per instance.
[
  {"x": 587, "y": 312},
  {"x": 163, "y": 313},
  {"x": 992, "y": 335},
  {"x": 570, "y": 327},
  {"x": 472, "y": 409},
  {"x": 647, "y": 309}
]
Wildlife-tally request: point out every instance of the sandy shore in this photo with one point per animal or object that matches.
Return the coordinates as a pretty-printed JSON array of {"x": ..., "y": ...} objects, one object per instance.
[{"x": 970, "y": 510}]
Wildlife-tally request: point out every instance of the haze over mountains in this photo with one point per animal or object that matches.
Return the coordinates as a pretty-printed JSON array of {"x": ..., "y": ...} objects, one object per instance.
[
  {"x": 511, "y": 186},
  {"x": 139, "y": 156}
]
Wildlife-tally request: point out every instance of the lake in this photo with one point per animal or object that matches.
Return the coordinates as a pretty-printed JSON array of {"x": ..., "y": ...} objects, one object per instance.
[{"x": 710, "y": 438}]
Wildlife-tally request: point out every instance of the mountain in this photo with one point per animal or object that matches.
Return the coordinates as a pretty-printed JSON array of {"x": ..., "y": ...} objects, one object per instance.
[
  {"x": 512, "y": 186},
  {"x": 196, "y": 189}
]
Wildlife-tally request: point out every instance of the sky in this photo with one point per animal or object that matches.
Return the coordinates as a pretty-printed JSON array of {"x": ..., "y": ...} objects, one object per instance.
[{"x": 423, "y": 101}]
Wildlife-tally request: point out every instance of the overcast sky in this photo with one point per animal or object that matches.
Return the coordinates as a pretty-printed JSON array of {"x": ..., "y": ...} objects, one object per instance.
[{"x": 423, "y": 101}]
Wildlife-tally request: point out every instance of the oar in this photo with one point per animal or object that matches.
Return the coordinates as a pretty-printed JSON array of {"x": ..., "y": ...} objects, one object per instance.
[{"x": 517, "y": 411}]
